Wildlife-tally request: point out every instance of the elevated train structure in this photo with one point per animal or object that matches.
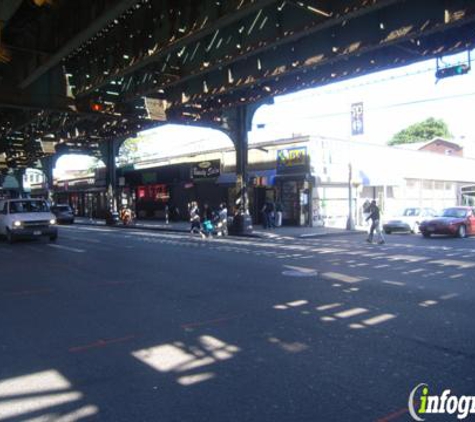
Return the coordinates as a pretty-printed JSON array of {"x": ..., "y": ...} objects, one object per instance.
[{"x": 83, "y": 76}]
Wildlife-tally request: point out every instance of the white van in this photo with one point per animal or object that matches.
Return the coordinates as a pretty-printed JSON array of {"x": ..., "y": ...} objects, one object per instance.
[{"x": 26, "y": 218}]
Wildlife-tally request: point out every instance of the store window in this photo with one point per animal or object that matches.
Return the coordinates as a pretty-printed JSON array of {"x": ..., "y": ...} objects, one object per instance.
[{"x": 158, "y": 193}]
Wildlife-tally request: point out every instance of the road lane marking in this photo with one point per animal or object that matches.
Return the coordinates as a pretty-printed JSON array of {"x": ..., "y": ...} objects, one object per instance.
[
  {"x": 67, "y": 248},
  {"x": 394, "y": 415},
  {"x": 100, "y": 344},
  {"x": 26, "y": 292},
  {"x": 210, "y": 321},
  {"x": 81, "y": 239}
]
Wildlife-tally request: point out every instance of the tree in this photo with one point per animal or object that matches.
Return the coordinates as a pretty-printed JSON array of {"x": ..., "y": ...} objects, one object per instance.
[
  {"x": 129, "y": 150},
  {"x": 422, "y": 131}
]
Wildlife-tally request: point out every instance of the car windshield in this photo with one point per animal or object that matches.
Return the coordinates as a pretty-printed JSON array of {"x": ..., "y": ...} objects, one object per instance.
[
  {"x": 62, "y": 208},
  {"x": 454, "y": 212},
  {"x": 18, "y": 207},
  {"x": 411, "y": 212}
]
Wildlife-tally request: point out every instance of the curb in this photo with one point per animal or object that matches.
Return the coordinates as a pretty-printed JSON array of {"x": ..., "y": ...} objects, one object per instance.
[
  {"x": 155, "y": 229},
  {"x": 342, "y": 233},
  {"x": 247, "y": 235}
]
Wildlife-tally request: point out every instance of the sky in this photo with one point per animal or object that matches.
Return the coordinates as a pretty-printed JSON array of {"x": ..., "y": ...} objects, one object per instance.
[{"x": 392, "y": 100}]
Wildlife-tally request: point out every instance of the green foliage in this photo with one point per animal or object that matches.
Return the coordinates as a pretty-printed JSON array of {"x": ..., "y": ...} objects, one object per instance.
[
  {"x": 422, "y": 131},
  {"x": 129, "y": 150}
]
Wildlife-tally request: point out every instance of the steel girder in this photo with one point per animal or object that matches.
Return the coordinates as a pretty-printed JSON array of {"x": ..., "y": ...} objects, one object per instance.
[
  {"x": 278, "y": 47},
  {"x": 208, "y": 56}
]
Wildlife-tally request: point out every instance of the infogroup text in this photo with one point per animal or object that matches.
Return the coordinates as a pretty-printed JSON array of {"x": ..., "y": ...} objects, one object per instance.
[{"x": 421, "y": 403}]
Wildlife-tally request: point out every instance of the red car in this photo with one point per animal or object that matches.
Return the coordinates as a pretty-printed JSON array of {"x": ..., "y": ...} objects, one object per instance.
[{"x": 455, "y": 221}]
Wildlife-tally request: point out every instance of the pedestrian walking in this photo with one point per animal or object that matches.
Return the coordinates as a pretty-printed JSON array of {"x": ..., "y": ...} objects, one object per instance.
[
  {"x": 195, "y": 218},
  {"x": 223, "y": 220},
  {"x": 375, "y": 217},
  {"x": 268, "y": 215},
  {"x": 366, "y": 211}
]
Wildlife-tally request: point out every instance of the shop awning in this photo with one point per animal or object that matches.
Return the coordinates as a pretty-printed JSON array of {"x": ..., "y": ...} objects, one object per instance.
[
  {"x": 231, "y": 178},
  {"x": 226, "y": 179},
  {"x": 379, "y": 177}
]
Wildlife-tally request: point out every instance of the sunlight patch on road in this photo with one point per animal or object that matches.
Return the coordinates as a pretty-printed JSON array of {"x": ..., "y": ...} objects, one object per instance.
[
  {"x": 178, "y": 358},
  {"x": 329, "y": 306},
  {"x": 393, "y": 283},
  {"x": 351, "y": 312},
  {"x": 428, "y": 303},
  {"x": 407, "y": 258},
  {"x": 453, "y": 263},
  {"x": 343, "y": 277},
  {"x": 38, "y": 392},
  {"x": 295, "y": 347},
  {"x": 378, "y": 319}
]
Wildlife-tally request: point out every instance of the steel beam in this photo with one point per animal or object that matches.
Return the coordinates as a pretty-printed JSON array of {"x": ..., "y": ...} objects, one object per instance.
[
  {"x": 78, "y": 40},
  {"x": 186, "y": 40}
]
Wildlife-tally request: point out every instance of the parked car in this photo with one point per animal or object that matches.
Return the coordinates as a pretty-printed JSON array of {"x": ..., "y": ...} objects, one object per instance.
[
  {"x": 26, "y": 218},
  {"x": 455, "y": 221},
  {"x": 64, "y": 213},
  {"x": 408, "y": 220}
]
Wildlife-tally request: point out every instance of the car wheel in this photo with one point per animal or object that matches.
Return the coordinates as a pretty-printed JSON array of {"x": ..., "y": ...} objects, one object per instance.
[
  {"x": 426, "y": 235},
  {"x": 461, "y": 232},
  {"x": 10, "y": 237}
]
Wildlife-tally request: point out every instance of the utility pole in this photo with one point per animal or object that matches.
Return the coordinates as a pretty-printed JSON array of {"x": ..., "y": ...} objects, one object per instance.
[{"x": 350, "y": 224}]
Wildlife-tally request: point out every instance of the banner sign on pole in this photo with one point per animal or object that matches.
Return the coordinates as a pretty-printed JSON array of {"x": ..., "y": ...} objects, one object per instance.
[{"x": 357, "y": 127}]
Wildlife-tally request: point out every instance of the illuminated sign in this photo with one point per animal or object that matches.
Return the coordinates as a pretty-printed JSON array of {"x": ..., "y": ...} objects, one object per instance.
[{"x": 292, "y": 157}]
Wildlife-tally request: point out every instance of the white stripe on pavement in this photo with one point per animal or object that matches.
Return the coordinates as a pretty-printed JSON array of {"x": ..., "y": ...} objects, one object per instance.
[{"x": 67, "y": 248}]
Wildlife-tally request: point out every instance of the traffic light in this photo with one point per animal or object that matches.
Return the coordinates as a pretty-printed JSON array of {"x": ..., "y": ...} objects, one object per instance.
[{"x": 446, "y": 72}]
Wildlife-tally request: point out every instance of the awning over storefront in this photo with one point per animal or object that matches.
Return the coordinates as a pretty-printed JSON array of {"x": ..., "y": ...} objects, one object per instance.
[
  {"x": 231, "y": 178},
  {"x": 226, "y": 179},
  {"x": 379, "y": 177}
]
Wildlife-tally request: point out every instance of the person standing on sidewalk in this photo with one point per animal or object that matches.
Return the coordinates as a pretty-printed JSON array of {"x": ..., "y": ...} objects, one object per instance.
[{"x": 375, "y": 217}]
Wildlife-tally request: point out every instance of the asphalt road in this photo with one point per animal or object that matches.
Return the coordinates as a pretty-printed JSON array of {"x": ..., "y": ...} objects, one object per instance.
[{"x": 127, "y": 325}]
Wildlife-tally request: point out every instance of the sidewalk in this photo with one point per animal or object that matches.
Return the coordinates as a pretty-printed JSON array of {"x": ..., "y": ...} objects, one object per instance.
[{"x": 258, "y": 232}]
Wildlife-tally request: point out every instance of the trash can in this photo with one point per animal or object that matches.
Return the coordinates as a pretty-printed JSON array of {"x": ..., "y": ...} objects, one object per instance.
[
  {"x": 112, "y": 218},
  {"x": 242, "y": 224}
]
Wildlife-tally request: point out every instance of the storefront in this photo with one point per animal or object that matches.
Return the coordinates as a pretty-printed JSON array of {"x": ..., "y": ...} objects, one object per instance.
[
  {"x": 154, "y": 190},
  {"x": 293, "y": 185},
  {"x": 86, "y": 196}
]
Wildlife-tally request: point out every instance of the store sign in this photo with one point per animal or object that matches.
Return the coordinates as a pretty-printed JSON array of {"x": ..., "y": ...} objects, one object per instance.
[
  {"x": 149, "y": 177},
  {"x": 291, "y": 157},
  {"x": 206, "y": 169}
]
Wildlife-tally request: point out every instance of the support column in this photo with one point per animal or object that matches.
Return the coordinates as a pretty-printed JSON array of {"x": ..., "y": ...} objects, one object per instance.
[
  {"x": 109, "y": 150},
  {"x": 111, "y": 175},
  {"x": 237, "y": 123},
  {"x": 47, "y": 166},
  {"x": 19, "y": 175},
  {"x": 241, "y": 145}
]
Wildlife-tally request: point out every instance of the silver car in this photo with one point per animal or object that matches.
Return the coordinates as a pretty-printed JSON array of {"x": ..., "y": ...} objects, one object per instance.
[{"x": 408, "y": 220}]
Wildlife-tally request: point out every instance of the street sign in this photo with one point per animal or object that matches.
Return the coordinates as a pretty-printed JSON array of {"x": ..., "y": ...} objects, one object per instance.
[
  {"x": 156, "y": 109},
  {"x": 357, "y": 127}
]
